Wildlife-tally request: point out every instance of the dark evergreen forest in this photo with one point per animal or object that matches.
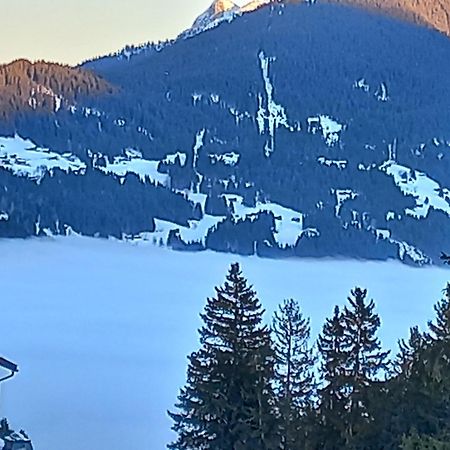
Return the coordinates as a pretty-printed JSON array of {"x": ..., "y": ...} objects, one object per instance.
[
  {"x": 253, "y": 386},
  {"x": 385, "y": 81}
]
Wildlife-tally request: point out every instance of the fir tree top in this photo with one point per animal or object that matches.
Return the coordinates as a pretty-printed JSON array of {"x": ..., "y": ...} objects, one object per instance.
[
  {"x": 410, "y": 352},
  {"x": 440, "y": 330},
  {"x": 233, "y": 318},
  {"x": 227, "y": 400},
  {"x": 361, "y": 323}
]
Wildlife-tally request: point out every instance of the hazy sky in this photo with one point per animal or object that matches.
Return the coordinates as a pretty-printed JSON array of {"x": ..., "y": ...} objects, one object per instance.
[{"x": 70, "y": 31}]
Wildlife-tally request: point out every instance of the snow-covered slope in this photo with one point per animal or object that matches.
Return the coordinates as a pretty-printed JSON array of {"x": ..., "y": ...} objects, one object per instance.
[
  {"x": 101, "y": 329},
  {"x": 22, "y": 157},
  {"x": 324, "y": 123},
  {"x": 218, "y": 8},
  {"x": 221, "y": 11}
]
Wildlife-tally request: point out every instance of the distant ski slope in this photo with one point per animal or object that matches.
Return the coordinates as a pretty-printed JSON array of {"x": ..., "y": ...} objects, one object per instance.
[{"x": 101, "y": 329}]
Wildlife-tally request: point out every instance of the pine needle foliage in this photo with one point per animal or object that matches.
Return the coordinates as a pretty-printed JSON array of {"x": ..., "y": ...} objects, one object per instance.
[{"x": 227, "y": 402}]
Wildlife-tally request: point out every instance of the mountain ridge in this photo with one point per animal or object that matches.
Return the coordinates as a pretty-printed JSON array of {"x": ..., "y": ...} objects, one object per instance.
[
  {"x": 434, "y": 14},
  {"x": 290, "y": 131},
  {"x": 27, "y": 86}
]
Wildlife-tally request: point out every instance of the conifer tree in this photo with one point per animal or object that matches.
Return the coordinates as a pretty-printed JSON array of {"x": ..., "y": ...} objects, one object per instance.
[
  {"x": 365, "y": 361},
  {"x": 437, "y": 357},
  {"x": 416, "y": 442},
  {"x": 227, "y": 403},
  {"x": 419, "y": 396},
  {"x": 433, "y": 374},
  {"x": 331, "y": 345},
  {"x": 445, "y": 258},
  {"x": 352, "y": 364},
  {"x": 410, "y": 351},
  {"x": 440, "y": 331},
  {"x": 294, "y": 374},
  {"x": 403, "y": 402}
]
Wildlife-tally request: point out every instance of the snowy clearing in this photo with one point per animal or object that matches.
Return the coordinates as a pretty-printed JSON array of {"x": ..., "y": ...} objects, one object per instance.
[
  {"x": 132, "y": 162},
  {"x": 427, "y": 192},
  {"x": 101, "y": 329},
  {"x": 24, "y": 158}
]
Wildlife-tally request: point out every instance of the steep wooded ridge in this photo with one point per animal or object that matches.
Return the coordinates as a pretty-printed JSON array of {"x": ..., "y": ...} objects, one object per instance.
[
  {"x": 433, "y": 13},
  {"x": 295, "y": 129},
  {"x": 25, "y": 86}
]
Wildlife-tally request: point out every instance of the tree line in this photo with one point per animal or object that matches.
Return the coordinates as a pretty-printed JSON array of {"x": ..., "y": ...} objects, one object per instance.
[
  {"x": 26, "y": 87},
  {"x": 253, "y": 386}
]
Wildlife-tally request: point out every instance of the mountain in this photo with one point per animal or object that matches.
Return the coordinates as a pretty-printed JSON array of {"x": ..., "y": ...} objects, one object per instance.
[
  {"x": 218, "y": 12},
  {"x": 297, "y": 129},
  {"x": 45, "y": 86},
  {"x": 217, "y": 9},
  {"x": 434, "y": 14},
  {"x": 221, "y": 10}
]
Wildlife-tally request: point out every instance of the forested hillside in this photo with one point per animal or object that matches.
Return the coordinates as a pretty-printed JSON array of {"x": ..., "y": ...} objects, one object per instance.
[
  {"x": 423, "y": 12},
  {"x": 27, "y": 87},
  {"x": 296, "y": 129}
]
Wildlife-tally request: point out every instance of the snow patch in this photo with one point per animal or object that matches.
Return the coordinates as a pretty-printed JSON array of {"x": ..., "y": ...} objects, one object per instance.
[
  {"x": 361, "y": 84},
  {"x": 239, "y": 116},
  {"x": 43, "y": 90},
  {"x": 382, "y": 93},
  {"x": 196, "y": 232},
  {"x": 88, "y": 112},
  {"x": 172, "y": 158},
  {"x": 382, "y": 233},
  {"x": 199, "y": 142},
  {"x": 288, "y": 223},
  {"x": 391, "y": 215},
  {"x": 343, "y": 195},
  {"x": 221, "y": 11},
  {"x": 145, "y": 132},
  {"x": 329, "y": 128},
  {"x": 132, "y": 162},
  {"x": 24, "y": 158},
  {"x": 340, "y": 164},
  {"x": 426, "y": 191},
  {"x": 229, "y": 159},
  {"x": 120, "y": 122},
  {"x": 367, "y": 168},
  {"x": 407, "y": 250},
  {"x": 270, "y": 116}
]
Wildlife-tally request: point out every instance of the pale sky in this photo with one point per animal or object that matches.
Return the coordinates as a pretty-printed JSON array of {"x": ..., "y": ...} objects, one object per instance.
[{"x": 70, "y": 31}]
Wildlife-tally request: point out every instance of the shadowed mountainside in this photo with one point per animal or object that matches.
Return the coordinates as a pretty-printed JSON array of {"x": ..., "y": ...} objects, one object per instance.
[{"x": 295, "y": 130}]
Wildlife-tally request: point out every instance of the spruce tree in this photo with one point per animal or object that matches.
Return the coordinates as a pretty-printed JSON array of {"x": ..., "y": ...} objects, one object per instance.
[
  {"x": 293, "y": 371},
  {"x": 403, "y": 401},
  {"x": 440, "y": 330},
  {"x": 352, "y": 365},
  {"x": 410, "y": 352},
  {"x": 365, "y": 361},
  {"x": 434, "y": 374},
  {"x": 227, "y": 403},
  {"x": 419, "y": 406},
  {"x": 331, "y": 345}
]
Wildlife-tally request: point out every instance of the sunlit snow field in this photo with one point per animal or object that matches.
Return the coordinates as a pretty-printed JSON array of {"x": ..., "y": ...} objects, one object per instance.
[{"x": 101, "y": 329}]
